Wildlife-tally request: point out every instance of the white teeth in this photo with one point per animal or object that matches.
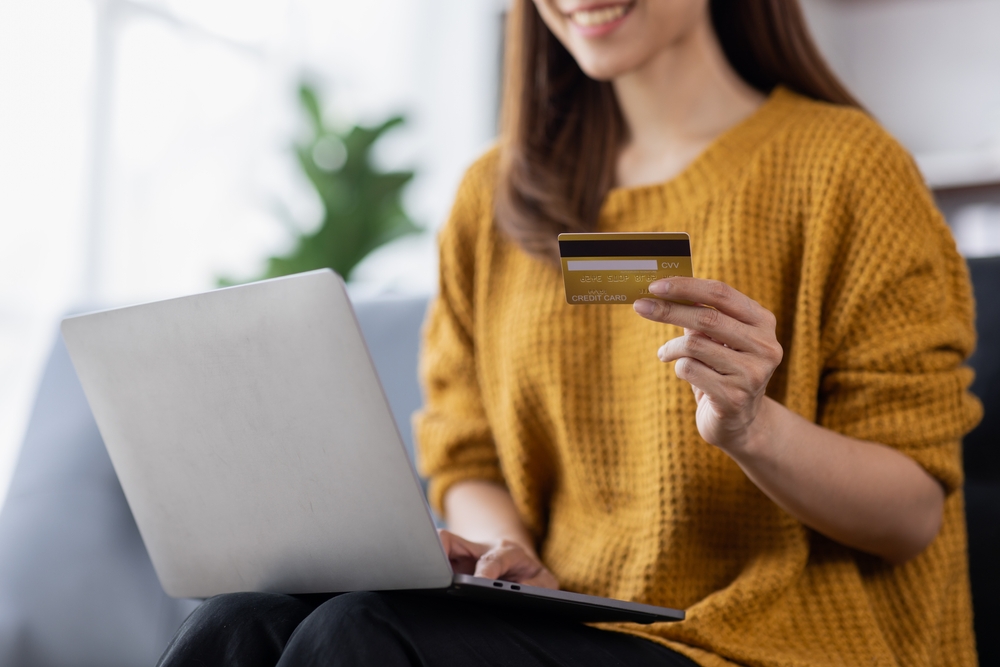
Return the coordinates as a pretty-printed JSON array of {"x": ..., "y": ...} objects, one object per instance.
[{"x": 589, "y": 18}]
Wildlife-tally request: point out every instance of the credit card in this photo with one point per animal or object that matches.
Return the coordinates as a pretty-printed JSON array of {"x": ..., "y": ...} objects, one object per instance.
[{"x": 616, "y": 268}]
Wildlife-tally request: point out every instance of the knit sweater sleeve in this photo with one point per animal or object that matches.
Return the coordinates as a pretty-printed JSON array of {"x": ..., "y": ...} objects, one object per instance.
[
  {"x": 454, "y": 440},
  {"x": 898, "y": 318}
]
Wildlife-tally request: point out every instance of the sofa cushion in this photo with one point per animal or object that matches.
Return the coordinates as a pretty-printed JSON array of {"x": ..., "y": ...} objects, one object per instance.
[
  {"x": 391, "y": 328},
  {"x": 982, "y": 462},
  {"x": 982, "y": 446},
  {"x": 76, "y": 584}
]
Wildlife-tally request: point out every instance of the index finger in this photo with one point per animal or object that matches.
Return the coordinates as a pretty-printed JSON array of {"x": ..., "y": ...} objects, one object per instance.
[
  {"x": 459, "y": 547},
  {"x": 507, "y": 561},
  {"x": 714, "y": 293},
  {"x": 462, "y": 554}
]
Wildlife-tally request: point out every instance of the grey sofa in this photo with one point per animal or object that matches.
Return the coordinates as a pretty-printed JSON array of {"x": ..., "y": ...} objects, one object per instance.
[
  {"x": 982, "y": 464},
  {"x": 77, "y": 588}
]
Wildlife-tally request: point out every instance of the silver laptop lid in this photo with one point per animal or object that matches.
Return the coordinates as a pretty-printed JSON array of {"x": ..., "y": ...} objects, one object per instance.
[{"x": 254, "y": 443}]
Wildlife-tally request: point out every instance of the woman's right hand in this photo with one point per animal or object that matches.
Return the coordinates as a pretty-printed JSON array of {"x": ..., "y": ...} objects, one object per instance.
[{"x": 503, "y": 559}]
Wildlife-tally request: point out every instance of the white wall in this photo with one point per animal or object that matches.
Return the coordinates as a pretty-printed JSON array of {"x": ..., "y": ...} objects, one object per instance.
[
  {"x": 929, "y": 70},
  {"x": 201, "y": 132}
]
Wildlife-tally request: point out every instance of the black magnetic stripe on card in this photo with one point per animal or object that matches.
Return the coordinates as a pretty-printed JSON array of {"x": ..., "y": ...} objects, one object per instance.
[{"x": 626, "y": 248}]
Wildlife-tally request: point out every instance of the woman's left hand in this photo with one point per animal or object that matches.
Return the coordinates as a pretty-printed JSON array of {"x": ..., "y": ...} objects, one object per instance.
[{"x": 728, "y": 353}]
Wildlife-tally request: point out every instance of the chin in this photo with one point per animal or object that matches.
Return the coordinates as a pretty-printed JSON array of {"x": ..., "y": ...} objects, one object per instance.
[{"x": 605, "y": 67}]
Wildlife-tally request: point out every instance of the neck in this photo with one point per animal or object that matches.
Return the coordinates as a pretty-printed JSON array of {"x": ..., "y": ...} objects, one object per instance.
[{"x": 676, "y": 104}]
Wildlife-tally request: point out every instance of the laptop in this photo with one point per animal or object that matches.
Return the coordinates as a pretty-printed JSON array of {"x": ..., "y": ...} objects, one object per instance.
[{"x": 257, "y": 451}]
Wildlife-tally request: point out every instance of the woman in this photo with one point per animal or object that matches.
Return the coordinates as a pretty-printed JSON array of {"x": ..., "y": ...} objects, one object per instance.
[{"x": 793, "y": 481}]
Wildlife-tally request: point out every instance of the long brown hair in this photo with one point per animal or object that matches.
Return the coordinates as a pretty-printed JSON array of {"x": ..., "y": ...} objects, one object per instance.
[{"x": 561, "y": 130}]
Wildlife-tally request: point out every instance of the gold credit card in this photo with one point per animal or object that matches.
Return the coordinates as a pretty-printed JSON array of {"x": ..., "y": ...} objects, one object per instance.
[{"x": 610, "y": 268}]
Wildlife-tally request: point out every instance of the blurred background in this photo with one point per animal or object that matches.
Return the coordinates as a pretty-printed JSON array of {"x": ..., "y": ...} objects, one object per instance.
[{"x": 152, "y": 148}]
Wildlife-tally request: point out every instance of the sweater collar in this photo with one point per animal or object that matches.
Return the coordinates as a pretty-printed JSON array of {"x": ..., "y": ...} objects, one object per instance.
[{"x": 713, "y": 169}]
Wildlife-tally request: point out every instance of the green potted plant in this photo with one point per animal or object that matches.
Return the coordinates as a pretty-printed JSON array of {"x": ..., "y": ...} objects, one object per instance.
[{"x": 362, "y": 207}]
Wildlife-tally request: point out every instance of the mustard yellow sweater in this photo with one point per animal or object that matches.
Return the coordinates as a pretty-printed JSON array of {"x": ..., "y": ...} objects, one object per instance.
[{"x": 815, "y": 212}]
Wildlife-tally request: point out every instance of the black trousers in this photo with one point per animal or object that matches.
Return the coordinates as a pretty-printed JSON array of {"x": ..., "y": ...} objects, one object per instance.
[{"x": 393, "y": 629}]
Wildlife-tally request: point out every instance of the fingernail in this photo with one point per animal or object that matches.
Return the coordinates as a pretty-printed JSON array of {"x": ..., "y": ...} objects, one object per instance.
[
  {"x": 659, "y": 287},
  {"x": 643, "y": 306},
  {"x": 662, "y": 352}
]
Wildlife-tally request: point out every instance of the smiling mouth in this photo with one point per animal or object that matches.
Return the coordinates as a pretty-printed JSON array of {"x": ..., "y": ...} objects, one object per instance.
[{"x": 598, "y": 16}]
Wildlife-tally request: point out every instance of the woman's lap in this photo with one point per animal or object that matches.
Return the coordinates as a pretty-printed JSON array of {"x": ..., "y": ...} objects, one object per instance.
[{"x": 389, "y": 629}]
